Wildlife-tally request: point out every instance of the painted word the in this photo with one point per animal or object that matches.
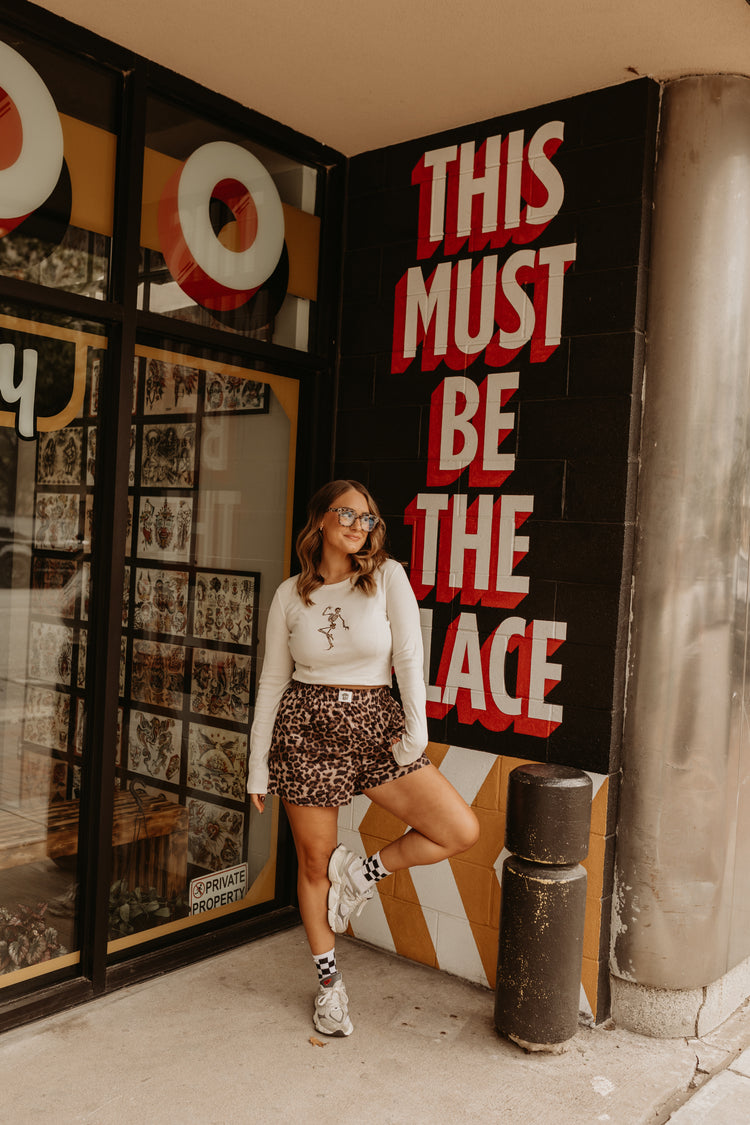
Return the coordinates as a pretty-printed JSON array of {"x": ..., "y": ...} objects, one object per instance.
[{"x": 468, "y": 549}]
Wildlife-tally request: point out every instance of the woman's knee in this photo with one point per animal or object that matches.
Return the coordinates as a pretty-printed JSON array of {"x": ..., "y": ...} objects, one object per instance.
[
  {"x": 312, "y": 866},
  {"x": 465, "y": 832}
]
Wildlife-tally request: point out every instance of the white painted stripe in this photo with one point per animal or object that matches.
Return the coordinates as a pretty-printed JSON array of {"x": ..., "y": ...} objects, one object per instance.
[
  {"x": 372, "y": 925},
  {"x": 350, "y": 839},
  {"x": 583, "y": 1004},
  {"x": 467, "y": 770},
  {"x": 457, "y": 951},
  {"x": 436, "y": 888},
  {"x": 360, "y": 807},
  {"x": 597, "y": 780}
]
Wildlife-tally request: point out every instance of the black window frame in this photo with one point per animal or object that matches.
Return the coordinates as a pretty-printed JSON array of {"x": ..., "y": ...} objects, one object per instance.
[{"x": 139, "y": 79}]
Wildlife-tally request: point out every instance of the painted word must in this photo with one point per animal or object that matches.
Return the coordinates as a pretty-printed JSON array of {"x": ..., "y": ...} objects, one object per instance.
[{"x": 462, "y": 310}]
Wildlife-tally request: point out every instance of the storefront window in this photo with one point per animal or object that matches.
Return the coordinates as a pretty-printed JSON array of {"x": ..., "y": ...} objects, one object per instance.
[
  {"x": 229, "y": 234},
  {"x": 211, "y": 479},
  {"x": 146, "y": 730},
  {"x": 58, "y": 151},
  {"x": 47, "y": 479}
]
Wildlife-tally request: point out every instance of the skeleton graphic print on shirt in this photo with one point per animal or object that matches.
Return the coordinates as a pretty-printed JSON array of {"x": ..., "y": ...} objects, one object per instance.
[{"x": 333, "y": 617}]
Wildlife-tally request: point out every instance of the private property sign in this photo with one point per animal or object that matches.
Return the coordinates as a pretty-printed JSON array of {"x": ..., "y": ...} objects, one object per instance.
[{"x": 219, "y": 889}]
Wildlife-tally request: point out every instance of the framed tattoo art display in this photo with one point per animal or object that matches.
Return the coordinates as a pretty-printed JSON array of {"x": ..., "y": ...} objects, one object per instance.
[
  {"x": 187, "y": 684},
  {"x": 225, "y": 607},
  {"x": 170, "y": 388},
  {"x": 54, "y": 724},
  {"x": 164, "y": 527},
  {"x": 229, "y": 394},
  {"x": 160, "y": 600},
  {"x": 189, "y": 631},
  {"x": 217, "y": 761}
]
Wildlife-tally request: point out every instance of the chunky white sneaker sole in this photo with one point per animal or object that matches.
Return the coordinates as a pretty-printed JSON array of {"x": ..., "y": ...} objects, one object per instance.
[
  {"x": 331, "y": 1014},
  {"x": 344, "y": 900}
]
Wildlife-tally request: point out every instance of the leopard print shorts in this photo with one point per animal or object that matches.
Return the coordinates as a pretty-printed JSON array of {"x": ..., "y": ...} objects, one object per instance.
[{"x": 324, "y": 751}]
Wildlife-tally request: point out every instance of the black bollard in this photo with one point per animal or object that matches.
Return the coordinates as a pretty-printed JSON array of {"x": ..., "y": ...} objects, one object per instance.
[{"x": 543, "y": 906}]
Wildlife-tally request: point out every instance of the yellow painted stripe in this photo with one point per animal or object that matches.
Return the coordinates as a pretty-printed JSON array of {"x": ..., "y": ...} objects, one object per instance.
[
  {"x": 409, "y": 930},
  {"x": 436, "y": 752},
  {"x": 91, "y": 155},
  {"x": 31, "y": 971}
]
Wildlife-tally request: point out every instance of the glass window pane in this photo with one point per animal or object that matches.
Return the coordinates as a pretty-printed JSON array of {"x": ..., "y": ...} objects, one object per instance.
[
  {"x": 211, "y": 481},
  {"x": 230, "y": 238},
  {"x": 58, "y": 146},
  {"x": 47, "y": 478}
]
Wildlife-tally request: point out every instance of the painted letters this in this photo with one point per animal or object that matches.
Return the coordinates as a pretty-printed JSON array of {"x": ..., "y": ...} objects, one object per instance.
[{"x": 505, "y": 190}]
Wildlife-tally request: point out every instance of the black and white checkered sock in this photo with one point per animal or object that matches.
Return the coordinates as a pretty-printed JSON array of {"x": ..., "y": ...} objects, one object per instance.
[
  {"x": 374, "y": 869},
  {"x": 325, "y": 963}
]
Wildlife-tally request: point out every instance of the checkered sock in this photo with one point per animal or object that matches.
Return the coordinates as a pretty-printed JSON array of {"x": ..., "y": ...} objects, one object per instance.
[
  {"x": 373, "y": 869},
  {"x": 325, "y": 963}
]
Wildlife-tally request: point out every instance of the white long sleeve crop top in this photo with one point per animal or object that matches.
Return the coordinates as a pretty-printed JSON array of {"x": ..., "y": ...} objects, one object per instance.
[{"x": 344, "y": 637}]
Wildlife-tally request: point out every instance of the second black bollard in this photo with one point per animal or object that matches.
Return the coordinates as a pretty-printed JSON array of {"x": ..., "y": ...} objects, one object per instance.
[{"x": 543, "y": 906}]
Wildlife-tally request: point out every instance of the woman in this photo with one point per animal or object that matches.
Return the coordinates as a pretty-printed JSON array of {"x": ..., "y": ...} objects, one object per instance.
[{"x": 325, "y": 712}]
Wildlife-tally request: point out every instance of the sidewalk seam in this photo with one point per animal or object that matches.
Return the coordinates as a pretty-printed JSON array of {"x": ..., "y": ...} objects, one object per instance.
[{"x": 672, "y": 1104}]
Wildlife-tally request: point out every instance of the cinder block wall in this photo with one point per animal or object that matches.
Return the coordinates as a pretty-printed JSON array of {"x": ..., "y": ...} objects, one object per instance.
[{"x": 573, "y": 336}]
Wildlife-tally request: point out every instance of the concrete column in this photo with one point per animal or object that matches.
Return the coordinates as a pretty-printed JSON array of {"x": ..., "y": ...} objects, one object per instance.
[{"x": 682, "y": 897}]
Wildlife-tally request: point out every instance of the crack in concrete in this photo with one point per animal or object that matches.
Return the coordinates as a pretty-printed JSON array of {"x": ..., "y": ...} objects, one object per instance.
[{"x": 698, "y": 1013}]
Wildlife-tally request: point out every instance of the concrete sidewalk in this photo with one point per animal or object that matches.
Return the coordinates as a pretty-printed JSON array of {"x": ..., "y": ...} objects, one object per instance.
[{"x": 230, "y": 1040}]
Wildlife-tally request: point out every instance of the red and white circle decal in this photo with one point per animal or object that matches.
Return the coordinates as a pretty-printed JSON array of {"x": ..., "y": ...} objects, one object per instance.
[
  {"x": 31, "y": 140},
  {"x": 221, "y": 271}
]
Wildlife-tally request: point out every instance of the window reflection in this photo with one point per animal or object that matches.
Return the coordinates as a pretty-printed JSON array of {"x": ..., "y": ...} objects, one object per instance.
[
  {"x": 59, "y": 186},
  {"x": 210, "y": 485},
  {"x": 46, "y": 496},
  {"x": 202, "y": 245}
]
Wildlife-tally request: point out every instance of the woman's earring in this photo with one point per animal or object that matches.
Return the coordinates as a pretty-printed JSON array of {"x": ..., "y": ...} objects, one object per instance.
[{"x": 320, "y": 529}]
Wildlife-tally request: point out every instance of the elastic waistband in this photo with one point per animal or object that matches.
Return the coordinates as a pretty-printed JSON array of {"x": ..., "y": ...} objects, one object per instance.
[{"x": 332, "y": 690}]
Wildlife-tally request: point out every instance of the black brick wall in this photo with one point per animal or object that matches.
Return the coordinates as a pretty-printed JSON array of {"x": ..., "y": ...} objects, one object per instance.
[{"x": 577, "y": 413}]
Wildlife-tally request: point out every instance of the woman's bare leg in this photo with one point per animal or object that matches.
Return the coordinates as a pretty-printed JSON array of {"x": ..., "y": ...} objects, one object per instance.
[
  {"x": 315, "y": 832},
  {"x": 442, "y": 824}
]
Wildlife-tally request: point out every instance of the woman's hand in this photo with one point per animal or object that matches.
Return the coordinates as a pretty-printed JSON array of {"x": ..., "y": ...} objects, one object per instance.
[{"x": 259, "y": 801}]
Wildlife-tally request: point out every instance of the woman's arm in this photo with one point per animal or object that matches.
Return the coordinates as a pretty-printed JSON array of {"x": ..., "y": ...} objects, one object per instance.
[
  {"x": 275, "y": 678},
  {"x": 408, "y": 662}
]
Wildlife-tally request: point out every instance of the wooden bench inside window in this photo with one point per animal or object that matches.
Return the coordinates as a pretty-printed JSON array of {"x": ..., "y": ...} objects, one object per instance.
[{"x": 149, "y": 838}]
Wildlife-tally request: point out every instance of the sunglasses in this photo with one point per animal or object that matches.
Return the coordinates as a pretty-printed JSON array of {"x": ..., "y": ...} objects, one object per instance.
[{"x": 348, "y": 517}]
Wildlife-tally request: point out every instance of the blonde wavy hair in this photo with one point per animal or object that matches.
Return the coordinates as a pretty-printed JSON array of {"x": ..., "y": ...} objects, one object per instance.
[{"x": 310, "y": 543}]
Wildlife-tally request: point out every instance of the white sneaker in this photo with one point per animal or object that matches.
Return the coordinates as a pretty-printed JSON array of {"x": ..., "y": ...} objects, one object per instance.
[
  {"x": 331, "y": 1015},
  {"x": 345, "y": 899}
]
